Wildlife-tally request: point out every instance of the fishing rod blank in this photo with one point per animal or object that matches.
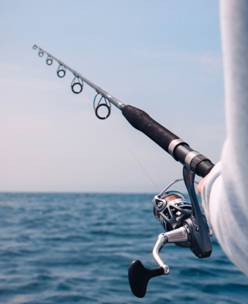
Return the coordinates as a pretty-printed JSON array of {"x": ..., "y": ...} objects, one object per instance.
[
  {"x": 113, "y": 100},
  {"x": 140, "y": 120}
]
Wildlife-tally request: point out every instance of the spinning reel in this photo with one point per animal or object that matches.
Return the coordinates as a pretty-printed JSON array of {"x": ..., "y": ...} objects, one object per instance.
[{"x": 184, "y": 225}]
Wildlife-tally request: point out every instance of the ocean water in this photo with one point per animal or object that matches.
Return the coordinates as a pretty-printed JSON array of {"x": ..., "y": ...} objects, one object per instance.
[{"x": 76, "y": 248}]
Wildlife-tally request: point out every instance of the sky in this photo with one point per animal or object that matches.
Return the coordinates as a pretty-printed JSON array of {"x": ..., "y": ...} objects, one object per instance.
[{"x": 162, "y": 56}]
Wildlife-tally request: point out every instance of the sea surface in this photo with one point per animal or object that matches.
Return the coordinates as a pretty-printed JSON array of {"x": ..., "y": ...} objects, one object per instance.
[{"x": 76, "y": 248}]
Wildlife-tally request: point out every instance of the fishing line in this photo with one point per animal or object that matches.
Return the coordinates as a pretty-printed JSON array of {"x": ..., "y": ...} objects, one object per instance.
[{"x": 142, "y": 167}]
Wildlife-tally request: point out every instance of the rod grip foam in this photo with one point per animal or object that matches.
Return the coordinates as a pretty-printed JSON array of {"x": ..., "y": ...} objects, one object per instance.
[{"x": 141, "y": 121}]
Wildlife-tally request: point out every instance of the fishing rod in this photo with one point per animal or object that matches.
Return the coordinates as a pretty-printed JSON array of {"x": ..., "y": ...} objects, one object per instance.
[
  {"x": 183, "y": 221},
  {"x": 140, "y": 120}
]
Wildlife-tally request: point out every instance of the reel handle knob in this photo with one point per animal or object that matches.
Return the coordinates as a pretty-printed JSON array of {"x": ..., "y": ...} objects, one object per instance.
[{"x": 139, "y": 277}]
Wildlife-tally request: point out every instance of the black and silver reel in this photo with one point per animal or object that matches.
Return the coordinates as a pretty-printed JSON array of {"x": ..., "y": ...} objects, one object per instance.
[{"x": 184, "y": 225}]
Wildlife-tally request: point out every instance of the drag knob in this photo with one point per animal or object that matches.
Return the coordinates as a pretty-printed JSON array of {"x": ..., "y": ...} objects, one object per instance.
[{"x": 139, "y": 277}]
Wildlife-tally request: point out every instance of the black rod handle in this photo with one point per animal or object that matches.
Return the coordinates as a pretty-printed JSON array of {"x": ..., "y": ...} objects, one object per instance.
[{"x": 168, "y": 141}]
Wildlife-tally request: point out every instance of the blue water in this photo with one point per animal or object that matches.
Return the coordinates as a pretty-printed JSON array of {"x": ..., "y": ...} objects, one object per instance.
[{"x": 75, "y": 248}]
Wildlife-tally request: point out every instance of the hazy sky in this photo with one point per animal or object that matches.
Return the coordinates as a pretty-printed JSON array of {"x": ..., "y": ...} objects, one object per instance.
[{"x": 162, "y": 56}]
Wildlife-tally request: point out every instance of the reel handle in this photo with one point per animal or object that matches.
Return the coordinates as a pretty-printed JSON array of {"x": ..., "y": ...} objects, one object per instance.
[{"x": 139, "y": 276}]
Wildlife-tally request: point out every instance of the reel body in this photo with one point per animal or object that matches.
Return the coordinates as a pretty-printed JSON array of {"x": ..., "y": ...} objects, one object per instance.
[{"x": 184, "y": 225}]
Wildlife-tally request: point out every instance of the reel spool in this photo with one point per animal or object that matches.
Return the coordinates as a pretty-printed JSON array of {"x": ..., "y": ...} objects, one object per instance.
[
  {"x": 184, "y": 225},
  {"x": 101, "y": 104},
  {"x": 171, "y": 209},
  {"x": 77, "y": 85}
]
